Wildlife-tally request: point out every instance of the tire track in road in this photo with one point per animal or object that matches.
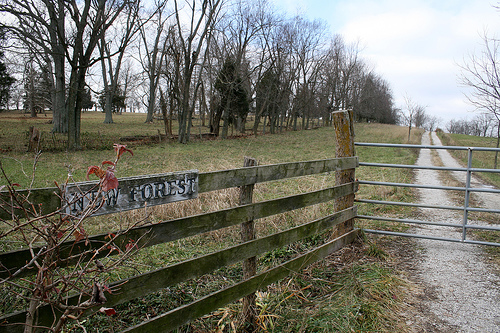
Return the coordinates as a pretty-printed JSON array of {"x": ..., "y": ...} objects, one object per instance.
[
  {"x": 488, "y": 200},
  {"x": 467, "y": 293}
]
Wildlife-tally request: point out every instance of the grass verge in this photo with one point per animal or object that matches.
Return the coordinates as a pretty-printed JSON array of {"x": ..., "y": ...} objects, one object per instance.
[{"x": 484, "y": 160}]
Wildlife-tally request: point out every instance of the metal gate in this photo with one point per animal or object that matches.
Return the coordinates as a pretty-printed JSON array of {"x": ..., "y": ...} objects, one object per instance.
[{"x": 467, "y": 190}]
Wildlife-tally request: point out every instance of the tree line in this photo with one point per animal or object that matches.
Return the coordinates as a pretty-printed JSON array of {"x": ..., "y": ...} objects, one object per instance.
[
  {"x": 483, "y": 124},
  {"x": 217, "y": 59}
]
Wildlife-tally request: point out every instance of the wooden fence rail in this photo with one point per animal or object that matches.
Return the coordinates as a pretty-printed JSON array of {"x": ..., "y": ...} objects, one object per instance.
[{"x": 171, "y": 230}]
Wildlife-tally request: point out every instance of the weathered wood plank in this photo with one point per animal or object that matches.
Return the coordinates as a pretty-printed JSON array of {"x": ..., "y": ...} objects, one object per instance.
[
  {"x": 209, "y": 181},
  {"x": 247, "y": 230},
  {"x": 188, "y": 226},
  {"x": 184, "y": 314},
  {"x": 153, "y": 281},
  {"x": 343, "y": 122},
  {"x": 134, "y": 192},
  {"x": 45, "y": 199}
]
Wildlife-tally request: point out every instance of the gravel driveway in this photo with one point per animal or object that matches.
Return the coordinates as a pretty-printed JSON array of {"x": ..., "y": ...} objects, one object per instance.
[{"x": 462, "y": 293}]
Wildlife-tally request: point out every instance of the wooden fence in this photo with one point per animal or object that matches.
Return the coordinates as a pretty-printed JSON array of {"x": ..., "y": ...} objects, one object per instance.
[
  {"x": 188, "y": 226},
  {"x": 164, "y": 188}
]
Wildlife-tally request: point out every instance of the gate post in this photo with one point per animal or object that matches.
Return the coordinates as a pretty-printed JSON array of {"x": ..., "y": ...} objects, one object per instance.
[
  {"x": 250, "y": 264},
  {"x": 343, "y": 123}
]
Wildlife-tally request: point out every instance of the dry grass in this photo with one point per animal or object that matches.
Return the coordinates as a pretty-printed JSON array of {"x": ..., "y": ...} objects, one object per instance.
[
  {"x": 356, "y": 294},
  {"x": 483, "y": 160}
]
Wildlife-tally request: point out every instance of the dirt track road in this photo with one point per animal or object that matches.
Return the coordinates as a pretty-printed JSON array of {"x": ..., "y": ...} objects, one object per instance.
[{"x": 462, "y": 293}]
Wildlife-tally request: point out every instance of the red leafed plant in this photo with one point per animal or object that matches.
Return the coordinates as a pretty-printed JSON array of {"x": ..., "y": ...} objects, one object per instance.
[
  {"x": 86, "y": 270},
  {"x": 107, "y": 176}
]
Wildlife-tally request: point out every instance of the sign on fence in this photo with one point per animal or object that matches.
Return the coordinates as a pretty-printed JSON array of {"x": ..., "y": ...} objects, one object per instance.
[{"x": 134, "y": 192}]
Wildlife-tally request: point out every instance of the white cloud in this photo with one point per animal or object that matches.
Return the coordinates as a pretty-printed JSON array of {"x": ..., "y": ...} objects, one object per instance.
[{"x": 414, "y": 44}]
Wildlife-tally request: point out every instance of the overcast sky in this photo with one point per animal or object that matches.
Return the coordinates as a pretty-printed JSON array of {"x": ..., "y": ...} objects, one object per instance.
[{"x": 416, "y": 45}]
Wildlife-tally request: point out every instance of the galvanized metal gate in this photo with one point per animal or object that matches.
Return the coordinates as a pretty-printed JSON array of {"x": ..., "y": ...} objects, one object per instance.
[{"x": 467, "y": 190}]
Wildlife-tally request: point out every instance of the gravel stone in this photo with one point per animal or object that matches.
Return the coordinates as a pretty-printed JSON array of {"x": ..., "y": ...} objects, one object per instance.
[{"x": 463, "y": 292}]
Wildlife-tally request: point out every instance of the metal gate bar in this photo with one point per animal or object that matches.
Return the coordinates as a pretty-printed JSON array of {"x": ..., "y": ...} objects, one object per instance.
[
  {"x": 454, "y": 240},
  {"x": 393, "y": 219},
  {"x": 450, "y": 188},
  {"x": 410, "y": 204},
  {"x": 467, "y": 190},
  {"x": 397, "y": 145},
  {"x": 396, "y": 203},
  {"x": 406, "y": 166}
]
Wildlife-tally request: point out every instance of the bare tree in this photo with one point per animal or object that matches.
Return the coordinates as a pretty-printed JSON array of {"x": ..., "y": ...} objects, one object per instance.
[
  {"x": 307, "y": 40},
  {"x": 201, "y": 15},
  {"x": 409, "y": 116},
  {"x": 152, "y": 53},
  {"x": 115, "y": 46},
  {"x": 431, "y": 123},
  {"x": 240, "y": 29},
  {"x": 171, "y": 70},
  {"x": 89, "y": 21},
  {"x": 331, "y": 76},
  {"x": 420, "y": 117},
  {"x": 67, "y": 30},
  {"x": 352, "y": 72},
  {"x": 484, "y": 123},
  {"x": 482, "y": 74},
  {"x": 41, "y": 27}
]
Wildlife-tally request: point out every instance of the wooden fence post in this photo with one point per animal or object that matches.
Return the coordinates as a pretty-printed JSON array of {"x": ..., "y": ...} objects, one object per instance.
[
  {"x": 343, "y": 123},
  {"x": 250, "y": 264}
]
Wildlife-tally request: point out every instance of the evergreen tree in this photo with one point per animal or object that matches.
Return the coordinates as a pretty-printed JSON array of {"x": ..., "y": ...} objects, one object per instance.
[
  {"x": 234, "y": 105},
  {"x": 87, "y": 102},
  {"x": 6, "y": 81},
  {"x": 117, "y": 102},
  {"x": 268, "y": 98}
]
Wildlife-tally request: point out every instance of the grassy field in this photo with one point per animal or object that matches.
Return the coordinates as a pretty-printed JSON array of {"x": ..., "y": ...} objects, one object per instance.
[
  {"x": 479, "y": 159},
  {"x": 357, "y": 289}
]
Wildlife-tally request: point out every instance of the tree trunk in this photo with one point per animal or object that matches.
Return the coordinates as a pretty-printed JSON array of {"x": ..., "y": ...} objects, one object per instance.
[
  {"x": 74, "y": 105},
  {"x": 31, "y": 314},
  {"x": 225, "y": 119},
  {"x": 409, "y": 132},
  {"x": 151, "y": 105},
  {"x": 258, "y": 115},
  {"x": 184, "y": 114},
  {"x": 59, "y": 111},
  {"x": 108, "y": 106},
  {"x": 495, "y": 164}
]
